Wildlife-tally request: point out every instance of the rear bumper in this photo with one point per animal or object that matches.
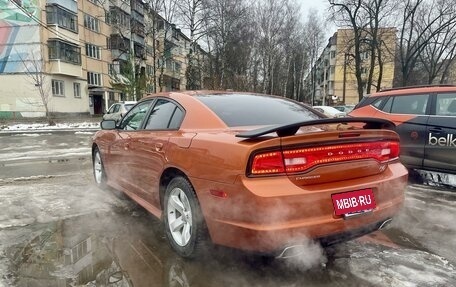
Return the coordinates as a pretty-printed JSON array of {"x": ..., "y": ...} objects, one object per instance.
[
  {"x": 271, "y": 239},
  {"x": 292, "y": 215}
]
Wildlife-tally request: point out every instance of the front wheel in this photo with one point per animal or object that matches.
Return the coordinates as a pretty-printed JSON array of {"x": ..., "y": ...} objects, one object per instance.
[
  {"x": 183, "y": 221},
  {"x": 98, "y": 169}
]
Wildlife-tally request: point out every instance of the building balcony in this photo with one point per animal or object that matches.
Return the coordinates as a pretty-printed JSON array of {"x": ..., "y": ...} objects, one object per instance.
[
  {"x": 138, "y": 6},
  {"x": 137, "y": 16},
  {"x": 64, "y": 68},
  {"x": 62, "y": 33},
  {"x": 119, "y": 54},
  {"x": 68, "y": 4},
  {"x": 124, "y": 5},
  {"x": 138, "y": 39}
]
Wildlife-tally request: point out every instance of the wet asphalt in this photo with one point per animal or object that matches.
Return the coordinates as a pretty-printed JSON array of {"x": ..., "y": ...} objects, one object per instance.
[{"x": 58, "y": 229}]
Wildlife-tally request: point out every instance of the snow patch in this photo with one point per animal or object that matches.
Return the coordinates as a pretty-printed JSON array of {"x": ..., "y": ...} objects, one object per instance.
[
  {"x": 437, "y": 178},
  {"x": 58, "y": 126},
  {"x": 399, "y": 267},
  {"x": 45, "y": 154}
]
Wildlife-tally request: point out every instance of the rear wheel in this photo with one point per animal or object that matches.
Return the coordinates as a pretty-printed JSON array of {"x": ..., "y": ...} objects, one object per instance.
[
  {"x": 98, "y": 169},
  {"x": 183, "y": 221}
]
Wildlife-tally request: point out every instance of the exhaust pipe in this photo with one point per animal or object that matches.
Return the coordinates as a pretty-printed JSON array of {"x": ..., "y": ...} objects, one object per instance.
[
  {"x": 385, "y": 223},
  {"x": 299, "y": 249},
  {"x": 291, "y": 251}
]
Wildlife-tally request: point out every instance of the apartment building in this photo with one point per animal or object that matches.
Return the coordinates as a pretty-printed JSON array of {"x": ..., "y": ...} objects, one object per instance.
[
  {"x": 332, "y": 80},
  {"x": 79, "y": 57}
]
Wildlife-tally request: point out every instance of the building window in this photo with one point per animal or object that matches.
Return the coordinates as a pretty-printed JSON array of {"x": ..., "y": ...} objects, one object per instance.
[
  {"x": 111, "y": 96},
  {"x": 176, "y": 67},
  {"x": 91, "y": 23},
  {"x": 59, "y": 50},
  {"x": 119, "y": 17},
  {"x": 58, "y": 88},
  {"x": 77, "y": 90},
  {"x": 111, "y": 70},
  {"x": 150, "y": 70},
  {"x": 62, "y": 17},
  {"x": 117, "y": 42},
  {"x": 94, "y": 79},
  {"x": 175, "y": 84},
  {"x": 93, "y": 51},
  {"x": 149, "y": 50},
  {"x": 175, "y": 34}
]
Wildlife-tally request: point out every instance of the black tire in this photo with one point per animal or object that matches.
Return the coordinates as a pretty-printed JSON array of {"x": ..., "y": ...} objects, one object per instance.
[
  {"x": 181, "y": 209},
  {"x": 99, "y": 173}
]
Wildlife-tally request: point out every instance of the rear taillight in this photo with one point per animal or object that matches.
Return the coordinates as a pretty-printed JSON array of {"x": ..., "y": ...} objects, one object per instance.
[
  {"x": 268, "y": 163},
  {"x": 299, "y": 160}
]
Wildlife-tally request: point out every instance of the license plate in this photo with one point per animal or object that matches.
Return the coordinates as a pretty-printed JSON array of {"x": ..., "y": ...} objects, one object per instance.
[{"x": 353, "y": 202}]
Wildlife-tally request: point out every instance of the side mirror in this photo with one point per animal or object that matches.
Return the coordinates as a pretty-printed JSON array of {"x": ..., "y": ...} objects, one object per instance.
[{"x": 108, "y": 125}]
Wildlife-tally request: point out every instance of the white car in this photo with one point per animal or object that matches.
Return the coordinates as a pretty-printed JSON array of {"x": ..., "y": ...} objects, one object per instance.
[
  {"x": 118, "y": 110},
  {"x": 330, "y": 111}
]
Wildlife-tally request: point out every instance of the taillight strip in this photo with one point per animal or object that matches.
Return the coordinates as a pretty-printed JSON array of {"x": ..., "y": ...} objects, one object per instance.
[{"x": 302, "y": 159}]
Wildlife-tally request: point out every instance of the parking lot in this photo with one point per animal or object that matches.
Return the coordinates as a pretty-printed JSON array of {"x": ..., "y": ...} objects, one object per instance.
[{"x": 58, "y": 229}]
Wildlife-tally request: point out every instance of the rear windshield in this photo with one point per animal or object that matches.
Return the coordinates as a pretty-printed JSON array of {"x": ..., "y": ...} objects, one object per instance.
[{"x": 251, "y": 110}]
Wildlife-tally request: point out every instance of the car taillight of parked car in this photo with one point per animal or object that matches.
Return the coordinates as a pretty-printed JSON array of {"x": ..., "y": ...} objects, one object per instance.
[{"x": 302, "y": 159}]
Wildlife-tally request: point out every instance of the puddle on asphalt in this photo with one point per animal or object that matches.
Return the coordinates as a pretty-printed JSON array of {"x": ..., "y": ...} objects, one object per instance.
[
  {"x": 113, "y": 249},
  {"x": 128, "y": 249}
]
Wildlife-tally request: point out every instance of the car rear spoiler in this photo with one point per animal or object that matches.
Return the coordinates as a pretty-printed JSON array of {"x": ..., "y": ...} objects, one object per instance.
[{"x": 291, "y": 129}]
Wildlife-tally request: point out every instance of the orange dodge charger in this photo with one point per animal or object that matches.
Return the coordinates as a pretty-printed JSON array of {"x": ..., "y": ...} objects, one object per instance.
[{"x": 250, "y": 171}]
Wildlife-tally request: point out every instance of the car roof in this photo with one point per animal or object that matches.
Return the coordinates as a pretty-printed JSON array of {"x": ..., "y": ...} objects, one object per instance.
[
  {"x": 209, "y": 121},
  {"x": 198, "y": 114},
  {"x": 415, "y": 90}
]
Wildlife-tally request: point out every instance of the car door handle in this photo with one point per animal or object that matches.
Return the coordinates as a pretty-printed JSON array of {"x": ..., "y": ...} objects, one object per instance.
[
  {"x": 127, "y": 146},
  {"x": 158, "y": 146},
  {"x": 436, "y": 130}
]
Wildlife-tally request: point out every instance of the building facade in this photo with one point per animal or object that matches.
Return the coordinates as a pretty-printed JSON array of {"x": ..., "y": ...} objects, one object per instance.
[
  {"x": 79, "y": 57},
  {"x": 332, "y": 79}
]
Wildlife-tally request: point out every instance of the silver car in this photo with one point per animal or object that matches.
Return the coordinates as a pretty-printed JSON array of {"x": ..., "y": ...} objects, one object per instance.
[{"x": 118, "y": 110}]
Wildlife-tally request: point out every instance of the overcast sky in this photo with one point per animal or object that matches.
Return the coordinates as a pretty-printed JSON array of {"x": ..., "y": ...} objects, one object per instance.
[{"x": 322, "y": 7}]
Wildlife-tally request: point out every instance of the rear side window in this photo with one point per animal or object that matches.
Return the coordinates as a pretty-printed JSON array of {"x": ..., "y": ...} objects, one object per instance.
[
  {"x": 387, "y": 107},
  {"x": 164, "y": 115},
  {"x": 378, "y": 103},
  {"x": 410, "y": 104},
  {"x": 251, "y": 110},
  {"x": 445, "y": 105},
  {"x": 366, "y": 100}
]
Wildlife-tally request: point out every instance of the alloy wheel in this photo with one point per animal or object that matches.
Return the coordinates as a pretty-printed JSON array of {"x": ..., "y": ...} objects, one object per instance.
[{"x": 179, "y": 217}]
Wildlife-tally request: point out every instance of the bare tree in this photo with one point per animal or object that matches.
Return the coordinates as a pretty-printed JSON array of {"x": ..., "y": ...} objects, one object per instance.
[
  {"x": 351, "y": 13},
  {"x": 438, "y": 56},
  {"x": 366, "y": 51},
  {"x": 377, "y": 35},
  {"x": 275, "y": 26},
  {"x": 151, "y": 31},
  {"x": 35, "y": 71},
  {"x": 313, "y": 44},
  {"x": 168, "y": 13},
  {"x": 422, "y": 21},
  {"x": 230, "y": 38},
  {"x": 192, "y": 14}
]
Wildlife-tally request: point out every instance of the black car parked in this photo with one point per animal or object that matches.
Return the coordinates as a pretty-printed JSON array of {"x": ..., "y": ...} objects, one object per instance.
[{"x": 426, "y": 122}]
